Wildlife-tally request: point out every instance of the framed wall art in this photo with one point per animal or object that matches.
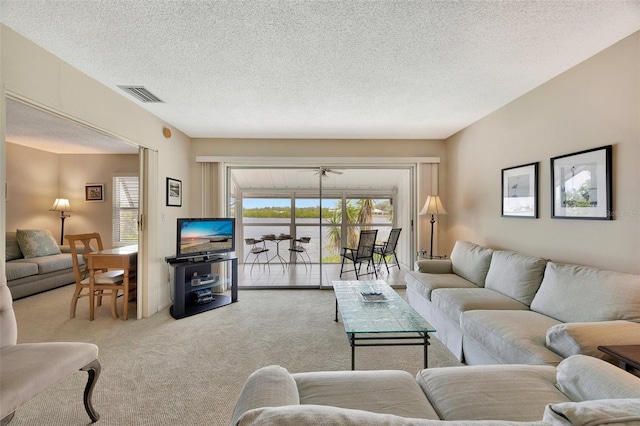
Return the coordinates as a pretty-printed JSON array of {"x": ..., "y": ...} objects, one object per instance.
[
  {"x": 581, "y": 186},
  {"x": 174, "y": 192},
  {"x": 520, "y": 191},
  {"x": 94, "y": 192}
]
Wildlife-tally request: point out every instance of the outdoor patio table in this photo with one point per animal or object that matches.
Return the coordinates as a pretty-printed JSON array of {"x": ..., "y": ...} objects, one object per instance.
[{"x": 277, "y": 240}]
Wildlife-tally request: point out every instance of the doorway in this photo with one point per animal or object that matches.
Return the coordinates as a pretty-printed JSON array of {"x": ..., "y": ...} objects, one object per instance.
[{"x": 64, "y": 145}]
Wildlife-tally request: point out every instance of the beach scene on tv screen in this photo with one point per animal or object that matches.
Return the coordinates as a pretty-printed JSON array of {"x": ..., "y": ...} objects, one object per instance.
[{"x": 206, "y": 236}]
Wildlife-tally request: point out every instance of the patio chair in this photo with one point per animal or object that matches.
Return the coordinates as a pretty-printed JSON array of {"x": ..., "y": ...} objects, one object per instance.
[
  {"x": 28, "y": 369},
  {"x": 299, "y": 251},
  {"x": 389, "y": 249},
  {"x": 258, "y": 247},
  {"x": 363, "y": 254}
]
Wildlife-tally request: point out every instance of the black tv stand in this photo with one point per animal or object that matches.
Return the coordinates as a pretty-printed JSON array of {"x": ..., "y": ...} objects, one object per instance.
[{"x": 187, "y": 292}]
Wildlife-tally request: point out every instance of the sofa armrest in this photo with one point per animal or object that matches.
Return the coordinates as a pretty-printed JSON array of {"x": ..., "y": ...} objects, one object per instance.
[
  {"x": 434, "y": 266},
  {"x": 270, "y": 386},
  {"x": 575, "y": 338}
]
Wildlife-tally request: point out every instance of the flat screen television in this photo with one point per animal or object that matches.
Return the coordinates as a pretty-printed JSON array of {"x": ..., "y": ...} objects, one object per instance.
[{"x": 205, "y": 237}]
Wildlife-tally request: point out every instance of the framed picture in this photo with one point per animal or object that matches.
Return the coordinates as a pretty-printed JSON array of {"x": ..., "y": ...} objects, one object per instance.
[
  {"x": 581, "y": 185},
  {"x": 174, "y": 192},
  {"x": 520, "y": 191},
  {"x": 94, "y": 192}
]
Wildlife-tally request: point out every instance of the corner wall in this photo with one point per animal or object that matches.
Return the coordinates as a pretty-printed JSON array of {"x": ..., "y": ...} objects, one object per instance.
[
  {"x": 594, "y": 104},
  {"x": 34, "y": 75}
]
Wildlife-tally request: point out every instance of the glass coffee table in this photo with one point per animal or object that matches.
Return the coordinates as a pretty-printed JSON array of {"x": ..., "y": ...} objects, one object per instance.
[{"x": 373, "y": 314}]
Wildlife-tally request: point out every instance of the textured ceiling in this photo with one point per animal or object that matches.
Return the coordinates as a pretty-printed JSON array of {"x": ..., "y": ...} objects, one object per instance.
[
  {"x": 31, "y": 127},
  {"x": 324, "y": 69}
]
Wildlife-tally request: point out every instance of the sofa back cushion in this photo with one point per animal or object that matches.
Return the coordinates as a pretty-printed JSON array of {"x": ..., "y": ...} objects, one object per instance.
[
  {"x": 471, "y": 261},
  {"x": 36, "y": 243},
  {"x": 515, "y": 275},
  {"x": 12, "y": 249},
  {"x": 574, "y": 293}
]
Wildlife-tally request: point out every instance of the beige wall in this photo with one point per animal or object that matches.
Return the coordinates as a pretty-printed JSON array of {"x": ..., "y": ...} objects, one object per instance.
[
  {"x": 592, "y": 105},
  {"x": 358, "y": 150},
  {"x": 78, "y": 170},
  {"x": 38, "y": 177},
  {"x": 32, "y": 177}
]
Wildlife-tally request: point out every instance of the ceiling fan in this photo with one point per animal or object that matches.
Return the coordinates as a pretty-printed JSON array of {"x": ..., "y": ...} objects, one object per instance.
[{"x": 324, "y": 172}]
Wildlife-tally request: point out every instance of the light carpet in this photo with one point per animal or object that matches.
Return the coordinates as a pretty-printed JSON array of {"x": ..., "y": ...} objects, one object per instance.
[{"x": 162, "y": 371}]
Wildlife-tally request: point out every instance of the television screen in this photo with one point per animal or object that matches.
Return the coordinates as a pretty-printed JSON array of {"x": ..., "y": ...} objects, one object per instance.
[{"x": 205, "y": 236}]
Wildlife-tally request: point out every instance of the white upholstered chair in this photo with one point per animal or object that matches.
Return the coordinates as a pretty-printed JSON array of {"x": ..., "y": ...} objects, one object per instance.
[{"x": 28, "y": 369}]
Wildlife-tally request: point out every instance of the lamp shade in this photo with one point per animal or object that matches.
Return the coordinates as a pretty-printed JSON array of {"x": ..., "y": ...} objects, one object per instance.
[
  {"x": 433, "y": 206},
  {"x": 60, "y": 205}
]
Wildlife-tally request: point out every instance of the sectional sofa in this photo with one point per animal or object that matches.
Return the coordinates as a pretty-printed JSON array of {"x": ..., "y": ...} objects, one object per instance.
[
  {"x": 581, "y": 390},
  {"x": 36, "y": 263},
  {"x": 503, "y": 307}
]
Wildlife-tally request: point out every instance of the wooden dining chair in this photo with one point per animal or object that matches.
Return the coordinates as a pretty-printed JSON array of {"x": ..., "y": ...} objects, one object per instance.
[{"x": 106, "y": 282}]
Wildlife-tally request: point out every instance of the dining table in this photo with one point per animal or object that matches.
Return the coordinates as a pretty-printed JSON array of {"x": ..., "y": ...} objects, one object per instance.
[{"x": 125, "y": 258}]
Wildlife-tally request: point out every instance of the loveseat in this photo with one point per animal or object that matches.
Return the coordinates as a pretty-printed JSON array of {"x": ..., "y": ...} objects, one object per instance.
[
  {"x": 581, "y": 390},
  {"x": 36, "y": 263},
  {"x": 503, "y": 307}
]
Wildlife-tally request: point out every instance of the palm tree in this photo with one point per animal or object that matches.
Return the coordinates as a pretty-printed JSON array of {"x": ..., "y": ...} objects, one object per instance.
[{"x": 365, "y": 214}]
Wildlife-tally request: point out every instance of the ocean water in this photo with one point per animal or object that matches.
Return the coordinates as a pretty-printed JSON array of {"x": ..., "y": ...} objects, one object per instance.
[{"x": 257, "y": 227}]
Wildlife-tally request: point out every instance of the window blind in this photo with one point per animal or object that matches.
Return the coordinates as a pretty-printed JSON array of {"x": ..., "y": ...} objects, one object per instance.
[{"x": 125, "y": 210}]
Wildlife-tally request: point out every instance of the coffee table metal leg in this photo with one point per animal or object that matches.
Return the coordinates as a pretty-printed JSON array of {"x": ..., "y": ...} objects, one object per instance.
[
  {"x": 352, "y": 340},
  {"x": 426, "y": 346},
  {"x": 336, "y": 310}
]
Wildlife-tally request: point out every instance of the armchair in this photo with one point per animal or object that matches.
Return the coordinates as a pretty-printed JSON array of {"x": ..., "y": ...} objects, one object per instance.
[{"x": 28, "y": 369}]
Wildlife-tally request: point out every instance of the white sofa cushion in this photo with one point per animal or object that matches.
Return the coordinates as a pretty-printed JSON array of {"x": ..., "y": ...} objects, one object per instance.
[
  {"x": 574, "y": 293},
  {"x": 471, "y": 261},
  {"x": 424, "y": 284},
  {"x": 454, "y": 301},
  {"x": 512, "y": 337},
  {"x": 314, "y": 415},
  {"x": 612, "y": 412},
  {"x": 584, "y": 378},
  {"x": 270, "y": 386},
  {"x": 515, "y": 275},
  {"x": 386, "y": 392},
  {"x": 575, "y": 338},
  {"x": 500, "y": 392}
]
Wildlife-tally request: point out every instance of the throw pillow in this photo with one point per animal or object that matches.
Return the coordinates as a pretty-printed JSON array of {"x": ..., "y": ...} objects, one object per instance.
[
  {"x": 36, "y": 243},
  {"x": 12, "y": 249}
]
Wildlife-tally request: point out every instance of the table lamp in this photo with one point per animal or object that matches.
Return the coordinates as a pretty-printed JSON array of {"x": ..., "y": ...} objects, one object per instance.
[
  {"x": 432, "y": 206},
  {"x": 61, "y": 205}
]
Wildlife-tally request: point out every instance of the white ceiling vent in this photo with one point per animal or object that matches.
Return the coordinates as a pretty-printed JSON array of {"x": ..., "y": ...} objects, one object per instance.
[{"x": 140, "y": 93}]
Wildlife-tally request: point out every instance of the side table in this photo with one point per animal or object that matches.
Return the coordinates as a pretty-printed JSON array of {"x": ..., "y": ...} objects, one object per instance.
[{"x": 627, "y": 355}]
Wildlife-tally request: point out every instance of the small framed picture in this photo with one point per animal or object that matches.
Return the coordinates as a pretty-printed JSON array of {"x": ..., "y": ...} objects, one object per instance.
[
  {"x": 581, "y": 185},
  {"x": 520, "y": 191},
  {"x": 94, "y": 192},
  {"x": 174, "y": 192}
]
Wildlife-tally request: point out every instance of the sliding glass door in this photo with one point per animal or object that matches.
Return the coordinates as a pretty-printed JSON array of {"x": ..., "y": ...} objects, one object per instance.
[{"x": 328, "y": 206}]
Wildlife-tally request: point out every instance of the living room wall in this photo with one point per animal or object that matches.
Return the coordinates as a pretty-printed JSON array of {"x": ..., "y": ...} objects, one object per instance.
[
  {"x": 594, "y": 104},
  {"x": 33, "y": 75},
  {"x": 359, "y": 150}
]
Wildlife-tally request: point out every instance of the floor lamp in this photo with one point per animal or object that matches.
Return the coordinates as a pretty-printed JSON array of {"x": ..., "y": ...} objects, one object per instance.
[
  {"x": 61, "y": 205},
  {"x": 432, "y": 206}
]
